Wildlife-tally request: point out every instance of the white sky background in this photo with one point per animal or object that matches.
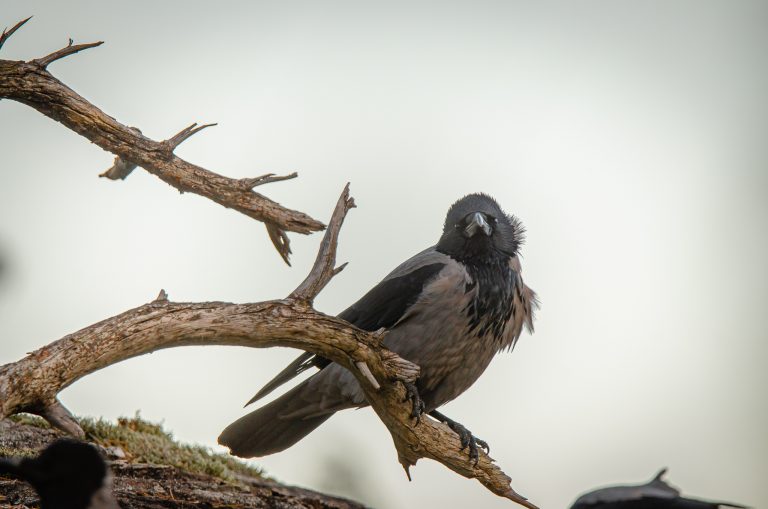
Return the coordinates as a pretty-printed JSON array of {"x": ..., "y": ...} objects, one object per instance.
[{"x": 629, "y": 137}]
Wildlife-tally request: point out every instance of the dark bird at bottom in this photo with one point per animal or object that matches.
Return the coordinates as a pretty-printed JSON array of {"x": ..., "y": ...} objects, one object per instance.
[
  {"x": 655, "y": 494},
  {"x": 68, "y": 474},
  {"x": 449, "y": 309}
]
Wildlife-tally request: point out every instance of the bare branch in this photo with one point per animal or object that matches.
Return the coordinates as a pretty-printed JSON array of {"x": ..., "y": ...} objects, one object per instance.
[
  {"x": 119, "y": 170},
  {"x": 182, "y": 135},
  {"x": 31, "y": 84},
  {"x": 8, "y": 33},
  {"x": 250, "y": 183},
  {"x": 59, "y": 417},
  {"x": 67, "y": 50},
  {"x": 323, "y": 269},
  {"x": 280, "y": 240}
]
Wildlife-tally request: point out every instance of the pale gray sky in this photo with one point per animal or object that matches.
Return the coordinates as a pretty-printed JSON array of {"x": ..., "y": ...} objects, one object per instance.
[{"x": 629, "y": 137}]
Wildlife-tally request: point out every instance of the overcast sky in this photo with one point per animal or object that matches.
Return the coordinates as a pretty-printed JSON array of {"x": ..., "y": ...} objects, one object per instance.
[{"x": 629, "y": 138}]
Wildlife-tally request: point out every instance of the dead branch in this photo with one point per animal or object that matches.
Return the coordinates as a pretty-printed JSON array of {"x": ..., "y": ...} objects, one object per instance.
[
  {"x": 67, "y": 50},
  {"x": 30, "y": 83},
  {"x": 8, "y": 33},
  {"x": 33, "y": 383}
]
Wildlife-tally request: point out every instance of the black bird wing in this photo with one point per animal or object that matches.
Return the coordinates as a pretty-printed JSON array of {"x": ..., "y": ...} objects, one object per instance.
[
  {"x": 9, "y": 466},
  {"x": 382, "y": 307},
  {"x": 656, "y": 494},
  {"x": 302, "y": 363}
]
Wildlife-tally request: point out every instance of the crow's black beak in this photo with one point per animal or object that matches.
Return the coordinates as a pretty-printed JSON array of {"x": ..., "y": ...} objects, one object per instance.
[{"x": 477, "y": 222}]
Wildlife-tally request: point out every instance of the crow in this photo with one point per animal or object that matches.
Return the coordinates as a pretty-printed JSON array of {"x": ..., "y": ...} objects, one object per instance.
[
  {"x": 656, "y": 494},
  {"x": 68, "y": 474},
  {"x": 449, "y": 309}
]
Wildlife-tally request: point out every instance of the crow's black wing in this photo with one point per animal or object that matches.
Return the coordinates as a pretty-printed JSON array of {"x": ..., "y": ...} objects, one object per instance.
[
  {"x": 387, "y": 302},
  {"x": 381, "y": 307},
  {"x": 657, "y": 503},
  {"x": 292, "y": 370},
  {"x": 656, "y": 494}
]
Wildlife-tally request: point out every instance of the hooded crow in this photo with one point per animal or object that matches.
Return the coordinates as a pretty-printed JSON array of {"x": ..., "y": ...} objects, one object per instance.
[
  {"x": 68, "y": 474},
  {"x": 656, "y": 494},
  {"x": 448, "y": 309}
]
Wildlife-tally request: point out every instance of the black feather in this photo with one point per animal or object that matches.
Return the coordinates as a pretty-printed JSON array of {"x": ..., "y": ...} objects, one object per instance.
[
  {"x": 66, "y": 475},
  {"x": 508, "y": 233},
  {"x": 492, "y": 308},
  {"x": 656, "y": 494},
  {"x": 387, "y": 302},
  {"x": 449, "y": 309},
  {"x": 383, "y": 306}
]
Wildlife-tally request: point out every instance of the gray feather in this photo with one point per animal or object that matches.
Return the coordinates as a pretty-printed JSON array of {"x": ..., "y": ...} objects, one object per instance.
[
  {"x": 270, "y": 429},
  {"x": 357, "y": 316},
  {"x": 449, "y": 309},
  {"x": 291, "y": 371}
]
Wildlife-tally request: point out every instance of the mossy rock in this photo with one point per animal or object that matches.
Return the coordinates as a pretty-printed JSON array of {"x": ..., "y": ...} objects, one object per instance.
[{"x": 145, "y": 442}]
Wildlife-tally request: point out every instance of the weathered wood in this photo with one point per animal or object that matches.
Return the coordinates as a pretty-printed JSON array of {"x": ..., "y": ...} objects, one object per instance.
[
  {"x": 138, "y": 485},
  {"x": 32, "y": 384},
  {"x": 30, "y": 83}
]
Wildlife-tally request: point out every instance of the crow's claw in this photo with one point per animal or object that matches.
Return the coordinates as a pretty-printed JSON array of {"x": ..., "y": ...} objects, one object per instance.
[
  {"x": 412, "y": 395},
  {"x": 466, "y": 438}
]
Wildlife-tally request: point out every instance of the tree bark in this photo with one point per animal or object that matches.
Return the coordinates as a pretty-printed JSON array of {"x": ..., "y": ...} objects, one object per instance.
[
  {"x": 32, "y": 384},
  {"x": 30, "y": 83},
  {"x": 155, "y": 486}
]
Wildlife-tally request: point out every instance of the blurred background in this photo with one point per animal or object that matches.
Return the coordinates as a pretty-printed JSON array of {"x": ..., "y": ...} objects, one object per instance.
[{"x": 629, "y": 137}]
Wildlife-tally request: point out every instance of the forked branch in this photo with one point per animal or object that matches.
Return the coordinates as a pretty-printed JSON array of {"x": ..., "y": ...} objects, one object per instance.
[
  {"x": 30, "y": 83},
  {"x": 33, "y": 383},
  {"x": 69, "y": 49}
]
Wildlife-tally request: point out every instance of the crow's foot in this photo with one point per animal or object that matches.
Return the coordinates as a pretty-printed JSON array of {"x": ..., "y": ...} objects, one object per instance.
[
  {"x": 468, "y": 440},
  {"x": 412, "y": 395}
]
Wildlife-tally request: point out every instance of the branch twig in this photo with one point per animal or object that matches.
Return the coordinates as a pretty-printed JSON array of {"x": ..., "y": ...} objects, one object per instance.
[
  {"x": 8, "y": 33},
  {"x": 267, "y": 178},
  {"x": 67, "y": 50},
  {"x": 181, "y": 136},
  {"x": 32, "y": 384},
  {"x": 31, "y": 84},
  {"x": 324, "y": 268}
]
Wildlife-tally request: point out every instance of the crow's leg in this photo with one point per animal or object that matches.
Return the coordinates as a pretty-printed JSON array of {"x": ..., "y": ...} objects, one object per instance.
[
  {"x": 412, "y": 395},
  {"x": 466, "y": 437}
]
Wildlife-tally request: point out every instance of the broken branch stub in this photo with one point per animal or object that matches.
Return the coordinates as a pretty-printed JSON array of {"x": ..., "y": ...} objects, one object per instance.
[
  {"x": 67, "y": 50},
  {"x": 324, "y": 267},
  {"x": 8, "y": 33}
]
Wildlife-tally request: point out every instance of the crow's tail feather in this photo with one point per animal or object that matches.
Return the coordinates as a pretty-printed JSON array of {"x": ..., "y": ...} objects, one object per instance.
[{"x": 271, "y": 428}]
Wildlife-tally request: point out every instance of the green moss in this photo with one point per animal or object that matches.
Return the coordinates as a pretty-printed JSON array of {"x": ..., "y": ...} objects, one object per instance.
[
  {"x": 13, "y": 451},
  {"x": 147, "y": 442},
  {"x": 30, "y": 420}
]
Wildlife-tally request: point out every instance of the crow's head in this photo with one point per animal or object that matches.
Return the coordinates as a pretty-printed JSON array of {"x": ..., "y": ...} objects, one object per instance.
[
  {"x": 476, "y": 228},
  {"x": 67, "y": 474}
]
